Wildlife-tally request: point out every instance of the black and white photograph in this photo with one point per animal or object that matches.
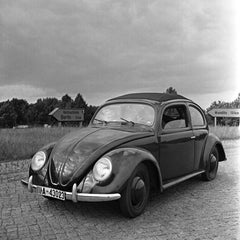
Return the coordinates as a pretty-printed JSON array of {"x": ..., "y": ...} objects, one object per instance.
[{"x": 120, "y": 119}]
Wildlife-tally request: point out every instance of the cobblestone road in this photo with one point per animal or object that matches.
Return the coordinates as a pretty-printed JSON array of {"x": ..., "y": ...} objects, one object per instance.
[{"x": 191, "y": 210}]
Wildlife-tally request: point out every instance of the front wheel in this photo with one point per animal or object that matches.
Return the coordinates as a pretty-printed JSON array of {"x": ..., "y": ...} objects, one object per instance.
[
  {"x": 135, "y": 195},
  {"x": 212, "y": 166}
]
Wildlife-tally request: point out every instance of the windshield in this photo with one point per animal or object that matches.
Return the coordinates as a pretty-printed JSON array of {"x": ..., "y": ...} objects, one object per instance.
[{"x": 126, "y": 112}]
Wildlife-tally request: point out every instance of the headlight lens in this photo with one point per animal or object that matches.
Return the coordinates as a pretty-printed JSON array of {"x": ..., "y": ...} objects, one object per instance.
[
  {"x": 38, "y": 160},
  {"x": 102, "y": 169}
]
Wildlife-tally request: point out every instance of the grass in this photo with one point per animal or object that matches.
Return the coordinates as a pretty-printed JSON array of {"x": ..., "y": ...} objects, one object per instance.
[
  {"x": 226, "y": 132},
  {"x": 17, "y": 144}
]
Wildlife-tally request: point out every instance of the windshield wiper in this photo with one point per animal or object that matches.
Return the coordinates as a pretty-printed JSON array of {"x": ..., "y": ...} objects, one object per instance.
[
  {"x": 101, "y": 121},
  {"x": 128, "y": 121}
]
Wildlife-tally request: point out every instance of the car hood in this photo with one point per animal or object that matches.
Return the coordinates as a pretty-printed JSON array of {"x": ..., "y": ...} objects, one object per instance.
[{"x": 74, "y": 154}]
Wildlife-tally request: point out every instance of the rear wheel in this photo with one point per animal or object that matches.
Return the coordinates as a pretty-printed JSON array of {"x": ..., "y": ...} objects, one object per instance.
[
  {"x": 134, "y": 197},
  {"x": 212, "y": 166}
]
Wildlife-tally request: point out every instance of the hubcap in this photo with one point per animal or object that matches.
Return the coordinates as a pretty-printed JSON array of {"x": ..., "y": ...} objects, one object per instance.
[
  {"x": 138, "y": 191},
  {"x": 213, "y": 163}
]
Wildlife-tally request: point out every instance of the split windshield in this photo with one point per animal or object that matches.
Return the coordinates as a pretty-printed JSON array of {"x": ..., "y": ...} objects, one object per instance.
[{"x": 132, "y": 113}]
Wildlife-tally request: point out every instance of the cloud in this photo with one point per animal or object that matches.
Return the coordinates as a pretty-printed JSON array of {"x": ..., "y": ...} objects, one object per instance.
[
  {"x": 22, "y": 91},
  {"x": 103, "y": 48}
]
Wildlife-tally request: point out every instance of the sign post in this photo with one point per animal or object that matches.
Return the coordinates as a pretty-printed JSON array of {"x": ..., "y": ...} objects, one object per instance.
[
  {"x": 68, "y": 115},
  {"x": 224, "y": 112}
]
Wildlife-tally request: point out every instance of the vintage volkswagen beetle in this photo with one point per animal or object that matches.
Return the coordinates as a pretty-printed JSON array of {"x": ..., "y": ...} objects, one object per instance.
[{"x": 134, "y": 143}]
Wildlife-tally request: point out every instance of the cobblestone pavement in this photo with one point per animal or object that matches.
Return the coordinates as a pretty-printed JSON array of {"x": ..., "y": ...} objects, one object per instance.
[{"x": 191, "y": 210}]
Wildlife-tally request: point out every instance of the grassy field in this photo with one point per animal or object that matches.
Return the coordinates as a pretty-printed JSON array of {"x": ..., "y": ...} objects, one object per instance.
[
  {"x": 16, "y": 144},
  {"x": 23, "y": 143},
  {"x": 226, "y": 132}
]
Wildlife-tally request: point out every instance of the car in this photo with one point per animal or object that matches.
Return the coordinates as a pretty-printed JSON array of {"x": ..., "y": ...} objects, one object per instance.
[{"x": 134, "y": 144}]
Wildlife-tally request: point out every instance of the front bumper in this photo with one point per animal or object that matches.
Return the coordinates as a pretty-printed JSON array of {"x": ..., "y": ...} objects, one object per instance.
[{"x": 74, "y": 195}]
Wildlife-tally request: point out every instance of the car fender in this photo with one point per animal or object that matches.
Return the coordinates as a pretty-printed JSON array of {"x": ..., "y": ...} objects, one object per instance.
[
  {"x": 124, "y": 161},
  {"x": 39, "y": 177},
  {"x": 213, "y": 141}
]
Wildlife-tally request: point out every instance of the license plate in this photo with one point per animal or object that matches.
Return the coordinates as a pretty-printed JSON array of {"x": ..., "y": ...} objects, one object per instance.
[{"x": 51, "y": 192}]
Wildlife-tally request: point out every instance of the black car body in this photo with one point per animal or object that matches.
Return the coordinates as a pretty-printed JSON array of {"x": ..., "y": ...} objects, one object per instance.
[{"x": 134, "y": 143}]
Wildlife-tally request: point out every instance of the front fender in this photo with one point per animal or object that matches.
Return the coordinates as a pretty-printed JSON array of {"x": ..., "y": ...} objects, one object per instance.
[
  {"x": 124, "y": 161},
  {"x": 39, "y": 177},
  {"x": 213, "y": 141}
]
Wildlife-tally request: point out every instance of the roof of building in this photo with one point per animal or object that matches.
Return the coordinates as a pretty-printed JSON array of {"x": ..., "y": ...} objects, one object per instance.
[{"x": 159, "y": 97}]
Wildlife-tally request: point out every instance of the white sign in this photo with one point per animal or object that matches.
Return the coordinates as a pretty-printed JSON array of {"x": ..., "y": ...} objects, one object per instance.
[
  {"x": 68, "y": 115},
  {"x": 225, "y": 112}
]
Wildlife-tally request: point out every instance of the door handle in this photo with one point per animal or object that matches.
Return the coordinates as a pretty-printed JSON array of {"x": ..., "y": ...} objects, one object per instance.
[{"x": 193, "y": 137}]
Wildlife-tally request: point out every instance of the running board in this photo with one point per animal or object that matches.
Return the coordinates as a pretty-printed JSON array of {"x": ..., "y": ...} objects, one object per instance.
[{"x": 181, "y": 179}]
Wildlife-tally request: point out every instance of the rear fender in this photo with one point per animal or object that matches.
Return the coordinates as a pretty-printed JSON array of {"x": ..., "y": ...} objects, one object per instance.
[
  {"x": 124, "y": 161},
  {"x": 213, "y": 141}
]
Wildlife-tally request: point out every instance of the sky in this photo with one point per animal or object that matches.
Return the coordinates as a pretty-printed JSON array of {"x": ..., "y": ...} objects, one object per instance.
[{"x": 106, "y": 48}]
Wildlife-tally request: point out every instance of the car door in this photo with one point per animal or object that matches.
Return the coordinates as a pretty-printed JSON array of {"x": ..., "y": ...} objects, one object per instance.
[
  {"x": 176, "y": 142},
  {"x": 200, "y": 131}
]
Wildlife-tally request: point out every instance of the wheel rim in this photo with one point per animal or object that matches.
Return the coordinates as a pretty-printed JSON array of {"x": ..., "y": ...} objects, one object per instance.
[
  {"x": 213, "y": 162},
  {"x": 213, "y": 165},
  {"x": 138, "y": 192}
]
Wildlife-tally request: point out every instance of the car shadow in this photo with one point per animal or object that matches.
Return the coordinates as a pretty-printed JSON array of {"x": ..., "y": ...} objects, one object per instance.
[
  {"x": 99, "y": 210},
  {"x": 104, "y": 210}
]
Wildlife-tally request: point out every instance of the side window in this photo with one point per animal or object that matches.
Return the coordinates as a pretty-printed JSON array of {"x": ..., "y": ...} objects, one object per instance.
[
  {"x": 196, "y": 116},
  {"x": 174, "y": 117}
]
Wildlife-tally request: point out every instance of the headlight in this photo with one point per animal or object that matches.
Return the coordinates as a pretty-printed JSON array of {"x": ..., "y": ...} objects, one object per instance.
[
  {"x": 102, "y": 169},
  {"x": 38, "y": 160}
]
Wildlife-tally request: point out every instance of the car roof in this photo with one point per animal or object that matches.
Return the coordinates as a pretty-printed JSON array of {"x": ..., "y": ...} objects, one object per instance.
[{"x": 159, "y": 97}]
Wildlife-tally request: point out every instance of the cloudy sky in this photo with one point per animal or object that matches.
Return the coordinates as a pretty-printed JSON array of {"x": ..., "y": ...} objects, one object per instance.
[{"x": 104, "y": 48}]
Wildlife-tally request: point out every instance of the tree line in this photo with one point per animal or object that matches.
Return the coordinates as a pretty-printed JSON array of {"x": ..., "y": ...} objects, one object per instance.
[
  {"x": 19, "y": 112},
  {"x": 222, "y": 104}
]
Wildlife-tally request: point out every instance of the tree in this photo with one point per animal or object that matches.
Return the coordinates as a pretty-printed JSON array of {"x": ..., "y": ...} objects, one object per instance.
[
  {"x": 89, "y": 112},
  {"x": 79, "y": 102},
  {"x": 38, "y": 112},
  {"x": 66, "y": 102},
  {"x": 8, "y": 115},
  {"x": 236, "y": 102},
  {"x": 171, "y": 90},
  {"x": 20, "y": 107}
]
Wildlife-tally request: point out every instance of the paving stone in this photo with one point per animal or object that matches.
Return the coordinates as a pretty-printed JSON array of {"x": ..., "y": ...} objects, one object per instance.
[{"x": 191, "y": 210}]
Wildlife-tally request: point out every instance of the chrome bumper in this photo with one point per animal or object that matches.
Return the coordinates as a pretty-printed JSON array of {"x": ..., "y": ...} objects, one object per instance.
[{"x": 74, "y": 195}]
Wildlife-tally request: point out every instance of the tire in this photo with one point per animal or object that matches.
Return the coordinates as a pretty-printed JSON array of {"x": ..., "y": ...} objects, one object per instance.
[
  {"x": 135, "y": 196},
  {"x": 212, "y": 166}
]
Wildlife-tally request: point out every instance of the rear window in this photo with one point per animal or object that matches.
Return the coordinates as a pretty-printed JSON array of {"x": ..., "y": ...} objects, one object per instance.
[{"x": 196, "y": 117}]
